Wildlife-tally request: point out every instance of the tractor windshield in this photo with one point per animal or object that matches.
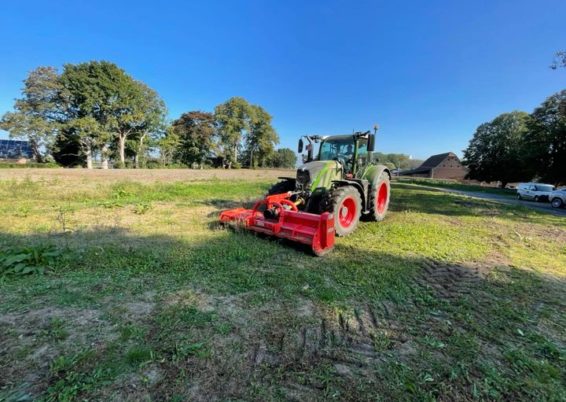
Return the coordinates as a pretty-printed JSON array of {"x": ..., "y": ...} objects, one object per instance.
[{"x": 335, "y": 148}]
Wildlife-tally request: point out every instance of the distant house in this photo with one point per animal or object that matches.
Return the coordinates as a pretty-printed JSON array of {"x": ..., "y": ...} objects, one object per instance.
[
  {"x": 15, "y": 150},
  {"x": 441, "y": 166}
]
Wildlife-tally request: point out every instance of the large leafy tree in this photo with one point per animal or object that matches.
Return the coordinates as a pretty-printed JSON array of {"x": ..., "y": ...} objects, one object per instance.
[
  {"x": 38, "y": 113},
  {"x": 495, "y": 151},
  {"x": 399, "y": 161},
  {"x": 196, "y": 133},
  {"x": 87, "y": 133},
  {"x": 283, "y": 158},
  {"x": 151, "y": 111},
  {"x": 168, "y": 145},
  {"x": 244, "y": 127},
  {"x": 96, "y": 95},
  {"x": 261, "y": 137},
  {"x": 545, "y": 143},
  {"x": 124, "y": 109},
  {"x": 233, "y": 118}
]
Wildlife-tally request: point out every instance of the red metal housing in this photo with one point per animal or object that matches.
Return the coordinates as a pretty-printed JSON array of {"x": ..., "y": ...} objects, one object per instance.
[{"x": 314, "y": 230}]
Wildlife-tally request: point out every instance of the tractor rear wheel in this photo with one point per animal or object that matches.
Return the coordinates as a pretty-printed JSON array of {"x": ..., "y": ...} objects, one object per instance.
[
  {"x": 281, "y": 187},
  {"x": 379, "y": 197},
  {"x": 347, "y": 208}
]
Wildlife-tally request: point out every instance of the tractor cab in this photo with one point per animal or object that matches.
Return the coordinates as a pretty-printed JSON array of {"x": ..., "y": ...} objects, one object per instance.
[
  {"x": 350, "y": 151},
  {"x": 353, "y": 152}
]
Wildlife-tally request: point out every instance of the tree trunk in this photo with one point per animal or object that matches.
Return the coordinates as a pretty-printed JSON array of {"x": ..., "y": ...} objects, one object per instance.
[
  {"x": 122, "y": 149},
  {"x": 104, "y": 156},
  {"x": 252, "y": 158},
  {"x": 139, "y": 151},
  {"x": 35, "y": 151},
  {"x": 235, "y": 158},
  {"x": 88, "y": 154}
]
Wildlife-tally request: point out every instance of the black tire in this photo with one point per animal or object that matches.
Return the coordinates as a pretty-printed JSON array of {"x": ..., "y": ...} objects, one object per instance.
[
  {"x": 557, "y": 203},
  {"x": 519, "y": 197},
  {"x": 377, "y": 205},
  {"x": 282, "y": 187},
  {"x": 347, "y": 208},
  {"x": 536, "y": 198}
]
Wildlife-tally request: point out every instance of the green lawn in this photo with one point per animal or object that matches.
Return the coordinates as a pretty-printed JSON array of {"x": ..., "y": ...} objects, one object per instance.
[
  {"x": 447, "y": 299},
  {"x": 453, "y": 185}
]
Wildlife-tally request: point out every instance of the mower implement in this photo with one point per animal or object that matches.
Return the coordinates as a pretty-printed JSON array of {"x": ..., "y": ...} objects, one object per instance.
[{"x": 278, "y": 216}]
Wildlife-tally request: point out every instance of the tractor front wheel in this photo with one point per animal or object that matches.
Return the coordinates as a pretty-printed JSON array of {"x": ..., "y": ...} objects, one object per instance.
[
  {"x": 379, "y": 197},
  {"x": 347, "y": 208}
]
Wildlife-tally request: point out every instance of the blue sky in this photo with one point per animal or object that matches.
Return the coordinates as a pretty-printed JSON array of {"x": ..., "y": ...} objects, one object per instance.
[{"x": 429, "y": 72}]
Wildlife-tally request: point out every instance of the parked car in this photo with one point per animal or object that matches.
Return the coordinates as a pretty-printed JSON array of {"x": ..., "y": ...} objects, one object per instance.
[
  {"x": 558, "y": 198},
  {"x": 534, "y": 191}
]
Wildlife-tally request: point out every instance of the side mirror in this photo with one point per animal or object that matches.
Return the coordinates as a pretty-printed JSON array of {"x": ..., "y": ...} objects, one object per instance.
[
  {"x": 371, "y": 142},
  {"x": 300, "y": 146}
]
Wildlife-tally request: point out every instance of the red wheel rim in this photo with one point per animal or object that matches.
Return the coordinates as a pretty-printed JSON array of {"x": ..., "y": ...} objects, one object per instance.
[
  {"x": 347, "y": 212},
  {"x": 381, "y": 198}
]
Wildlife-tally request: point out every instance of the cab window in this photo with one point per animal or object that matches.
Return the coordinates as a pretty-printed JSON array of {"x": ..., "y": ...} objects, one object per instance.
[
  {"x": 336, "y": 148},
  {"x": 363, "y": 147}
]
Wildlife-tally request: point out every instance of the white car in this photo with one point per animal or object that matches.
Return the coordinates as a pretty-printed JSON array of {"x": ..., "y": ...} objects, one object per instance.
[
  {"x": 534, "y": 191},
  {"x": 558, "y": 198}
]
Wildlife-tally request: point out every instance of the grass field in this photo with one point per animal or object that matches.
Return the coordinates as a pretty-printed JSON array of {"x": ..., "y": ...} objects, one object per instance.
[
  {"x": 454, "y": 185},
  {"x": 146, "y": 298}
]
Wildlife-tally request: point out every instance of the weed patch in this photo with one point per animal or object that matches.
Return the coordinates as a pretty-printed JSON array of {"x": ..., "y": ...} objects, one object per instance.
[{"x": 28, "y": 260}]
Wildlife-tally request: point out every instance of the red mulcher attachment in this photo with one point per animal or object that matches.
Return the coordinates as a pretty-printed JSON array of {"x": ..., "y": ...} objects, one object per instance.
[{"x": 280, "y": 217}]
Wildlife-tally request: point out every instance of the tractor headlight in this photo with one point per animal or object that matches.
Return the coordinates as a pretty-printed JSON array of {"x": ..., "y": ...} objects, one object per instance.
[{"x": 303, "y": 177}]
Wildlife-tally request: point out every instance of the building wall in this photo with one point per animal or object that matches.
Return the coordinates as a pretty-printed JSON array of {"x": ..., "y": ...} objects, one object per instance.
[
  {"x": 455, "y": 173},
  {"x": 451, "y": 161},
  {"x": 449, "y": 168},
  {"x": 14, "y": 149}
]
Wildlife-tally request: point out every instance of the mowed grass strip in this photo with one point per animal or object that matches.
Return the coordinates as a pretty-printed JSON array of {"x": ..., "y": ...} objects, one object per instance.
[{"x": 449, "y": 298}]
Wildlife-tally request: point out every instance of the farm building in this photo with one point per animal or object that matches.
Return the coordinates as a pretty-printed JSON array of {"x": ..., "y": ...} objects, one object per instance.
[
  {"x": 441, "y": 166},
  {"x": 15, "y": 150}
]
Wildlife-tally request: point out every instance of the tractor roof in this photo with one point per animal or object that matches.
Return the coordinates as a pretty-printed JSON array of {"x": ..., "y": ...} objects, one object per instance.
[{"x": 338, "y": 137}]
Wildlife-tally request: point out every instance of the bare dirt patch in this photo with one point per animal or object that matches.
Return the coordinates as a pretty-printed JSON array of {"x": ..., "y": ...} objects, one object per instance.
[
  {"x": 451, "y": 281},
  {"x": 32, "y": 339},
  {"x": 283, "y": 340}
]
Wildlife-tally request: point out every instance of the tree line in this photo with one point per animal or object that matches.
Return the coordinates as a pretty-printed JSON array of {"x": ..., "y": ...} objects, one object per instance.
[
  {"x": 519, "y": 146},
  {"x": 95, "y": 110},
  {"x": 398, "y": 161}
]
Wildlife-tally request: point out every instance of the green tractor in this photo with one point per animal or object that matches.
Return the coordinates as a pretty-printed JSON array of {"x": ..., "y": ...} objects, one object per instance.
[{"x": 342, "y": 179}]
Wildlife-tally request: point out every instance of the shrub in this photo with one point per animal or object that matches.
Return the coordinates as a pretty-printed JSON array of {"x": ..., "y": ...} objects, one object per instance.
[
  {"x": 46, "y": 165},
  {"x": 27, "y": 260}
]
